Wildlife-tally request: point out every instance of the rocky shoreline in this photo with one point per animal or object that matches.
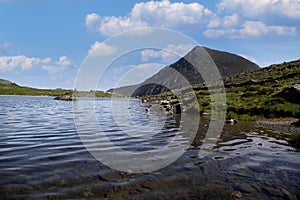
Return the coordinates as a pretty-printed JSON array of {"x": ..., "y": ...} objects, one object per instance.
[
  {"x": 173, "y": 106},
  {"x": 284, "y": 125},
  {"x": 168, "y": 105}
]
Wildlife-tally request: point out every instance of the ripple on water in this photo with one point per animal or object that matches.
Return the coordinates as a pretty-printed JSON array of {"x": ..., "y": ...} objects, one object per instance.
[{"x": 42, "y": 156}]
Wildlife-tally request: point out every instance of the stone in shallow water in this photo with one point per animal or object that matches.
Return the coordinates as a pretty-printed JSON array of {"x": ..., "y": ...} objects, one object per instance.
[{"x": 236, "y": 195}]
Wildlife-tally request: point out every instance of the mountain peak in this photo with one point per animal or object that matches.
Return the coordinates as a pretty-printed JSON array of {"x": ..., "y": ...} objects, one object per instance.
[{"x": 170, "y": 77}]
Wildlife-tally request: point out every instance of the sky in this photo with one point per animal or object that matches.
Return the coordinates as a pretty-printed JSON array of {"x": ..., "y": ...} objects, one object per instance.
[{"x": 43, "y": 43}]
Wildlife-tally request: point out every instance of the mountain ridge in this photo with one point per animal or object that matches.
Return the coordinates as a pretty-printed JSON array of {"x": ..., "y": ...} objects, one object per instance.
[{"x": 228, "y": 64}]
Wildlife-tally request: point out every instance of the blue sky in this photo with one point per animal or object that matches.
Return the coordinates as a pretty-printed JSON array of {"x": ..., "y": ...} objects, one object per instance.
[{"x": 44, "y": 42}]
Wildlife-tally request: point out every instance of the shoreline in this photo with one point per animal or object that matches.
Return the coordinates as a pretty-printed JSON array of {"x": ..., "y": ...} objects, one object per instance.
[
  {"x": 284, "y": 125},
  {"x": 20, "y": 95}
]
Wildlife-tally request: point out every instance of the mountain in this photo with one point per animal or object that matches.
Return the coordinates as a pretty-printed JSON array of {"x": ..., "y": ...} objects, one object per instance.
[
  {"x": 5, "y": 82},
  {"x": 228, "y": 65}
]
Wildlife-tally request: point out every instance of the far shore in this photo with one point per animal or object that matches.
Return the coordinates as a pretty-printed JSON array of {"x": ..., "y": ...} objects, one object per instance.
[{"x": 25, "y": 95}]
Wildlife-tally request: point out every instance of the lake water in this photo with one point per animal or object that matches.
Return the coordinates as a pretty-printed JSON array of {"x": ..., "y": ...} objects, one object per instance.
[{"x": 42, "y": 156}]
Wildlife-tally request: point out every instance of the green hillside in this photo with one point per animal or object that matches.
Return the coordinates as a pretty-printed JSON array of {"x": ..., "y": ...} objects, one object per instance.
[
  {"x": 258, "y": 93},
  {"x": 4, "y": 82},
  {"x": 9, "y": 88}
]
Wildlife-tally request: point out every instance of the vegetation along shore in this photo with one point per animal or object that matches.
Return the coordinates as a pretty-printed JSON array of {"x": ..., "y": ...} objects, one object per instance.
[
  {"x": 269, "y": 96},
  {"x": 264, "y": 93}
]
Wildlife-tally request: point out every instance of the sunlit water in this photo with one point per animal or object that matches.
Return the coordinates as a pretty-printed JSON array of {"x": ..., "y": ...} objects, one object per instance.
[{"x": 42, "y": 157}]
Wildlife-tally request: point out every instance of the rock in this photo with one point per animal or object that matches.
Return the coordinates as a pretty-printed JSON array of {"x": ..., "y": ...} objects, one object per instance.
[
  {"x": 236, "y": 195},
  {"x": 291, "y": 94},
  {"x": 65, "y": 97},
  {"x": 231, "y": 121},
  {"x": 177, "y": 108},
  {"x": 164, "y": 103},
  {"x": 296, "y": 123}
]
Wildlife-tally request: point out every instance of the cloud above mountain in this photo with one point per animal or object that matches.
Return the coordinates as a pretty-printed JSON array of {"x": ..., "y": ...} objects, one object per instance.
[
  {"x": 152, "y": 13},
  {"x": 231, "y": 18}
]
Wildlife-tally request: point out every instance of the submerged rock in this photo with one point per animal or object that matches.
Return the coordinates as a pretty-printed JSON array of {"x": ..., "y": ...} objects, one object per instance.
[{"x": 236, "y": 195}]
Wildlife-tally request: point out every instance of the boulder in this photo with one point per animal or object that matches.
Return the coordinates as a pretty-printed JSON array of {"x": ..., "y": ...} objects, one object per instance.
[
  {"x": 291, "y": 94},
  {"x": 65, "y": 97}
]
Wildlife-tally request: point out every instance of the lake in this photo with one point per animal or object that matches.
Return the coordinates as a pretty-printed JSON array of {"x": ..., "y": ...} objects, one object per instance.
[{"x": 44, "y": 155}]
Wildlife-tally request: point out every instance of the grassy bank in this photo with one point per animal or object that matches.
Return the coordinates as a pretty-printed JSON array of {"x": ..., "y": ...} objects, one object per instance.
[{"x": 255, "y": 94}]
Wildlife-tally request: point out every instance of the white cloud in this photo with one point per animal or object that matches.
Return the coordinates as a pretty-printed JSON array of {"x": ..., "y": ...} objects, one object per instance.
[
  {"x": 92, "y": 20},
  {"x": 8, "y": 63},
  {"x": 168, "y": 54},
  {"x": 102, "y": 49},
  {"x": 251, "y": 29},
  {"x": 254, "y": 8},
  {"x": 59, "y": 66},
  {"x": 231, "y": 20},
  {"x": 153, "y": 13}
]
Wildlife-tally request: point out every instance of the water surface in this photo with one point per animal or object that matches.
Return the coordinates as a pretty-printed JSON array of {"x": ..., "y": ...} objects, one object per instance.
[{"x": 42, "y": 157}]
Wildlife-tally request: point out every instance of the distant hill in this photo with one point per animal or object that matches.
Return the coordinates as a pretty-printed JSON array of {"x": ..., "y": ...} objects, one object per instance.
[
  {"x": 10, "y": 88},
  {"x": 5, "y": 82},
  {"x": 228, "y": 64}
]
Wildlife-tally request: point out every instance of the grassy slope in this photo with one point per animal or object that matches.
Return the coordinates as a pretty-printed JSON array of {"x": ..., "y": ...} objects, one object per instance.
[
  {"x": 256, "y": 93},
  {"x": 253, "y": 95},
  {"x": 8, "y": 88}
]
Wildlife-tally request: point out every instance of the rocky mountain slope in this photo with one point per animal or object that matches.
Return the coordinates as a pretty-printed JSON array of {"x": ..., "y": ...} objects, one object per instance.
[{"x": 228, "y": 65}]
